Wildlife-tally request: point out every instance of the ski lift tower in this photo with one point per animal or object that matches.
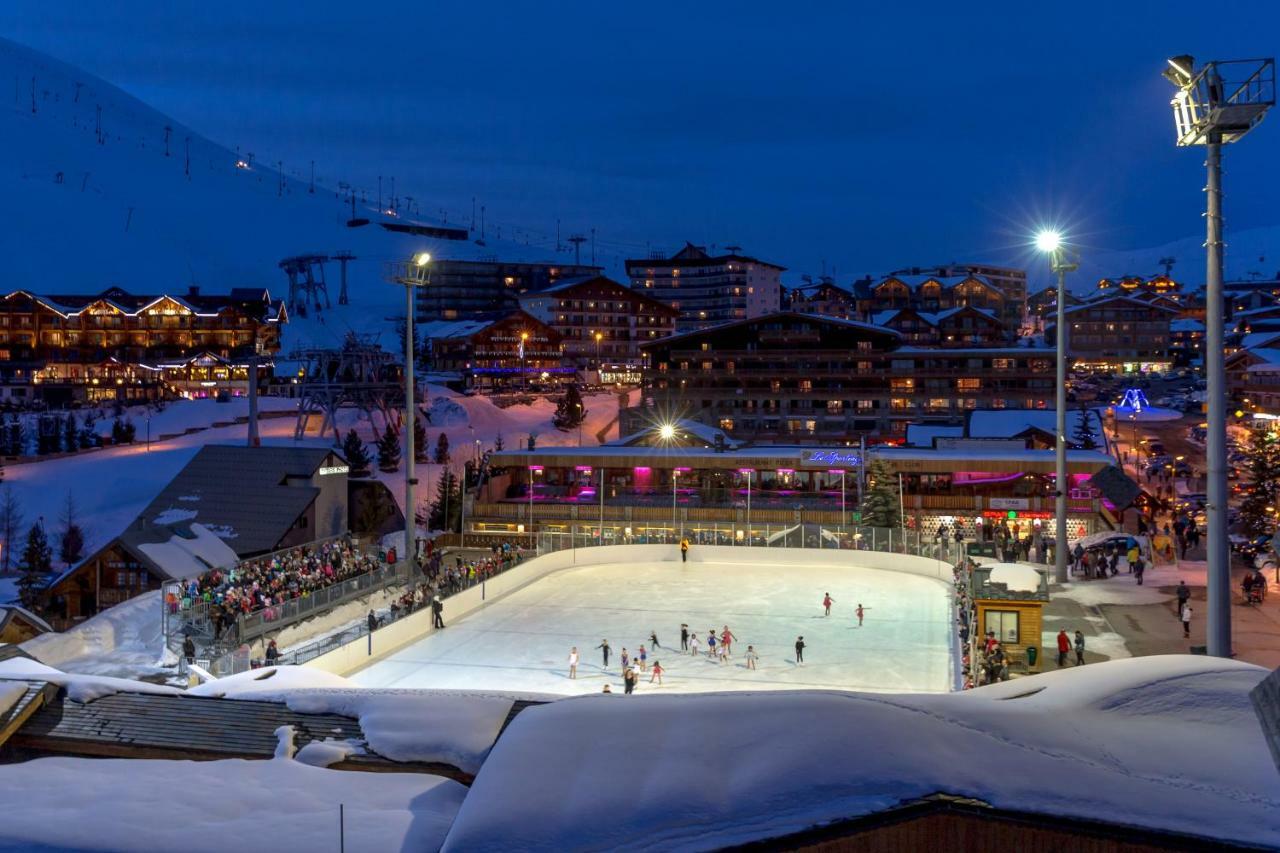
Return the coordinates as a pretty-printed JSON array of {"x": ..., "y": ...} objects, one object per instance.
[
  {"x": 306, "y": 282},
  {"x": 358, "y": 375},
  {"x": 1214, "y": 106}
]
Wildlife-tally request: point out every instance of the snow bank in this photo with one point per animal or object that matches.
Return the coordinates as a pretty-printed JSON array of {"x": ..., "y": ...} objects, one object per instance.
[
  {"x": 328, "y": 752},
  {"x": 125, "y": 640},
  {"x": 1160, "y": 742},
  {"x": 80, "y": 688},
  {"x": 1121, "y": 589},
  {"x": 269, "y": 681},
  {"x": 215, "y": 806}
]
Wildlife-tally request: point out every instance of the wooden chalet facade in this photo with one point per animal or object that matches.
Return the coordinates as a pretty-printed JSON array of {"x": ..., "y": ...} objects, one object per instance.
[
  {"x": 508, "y": 352},
  {"x": 1118, "y": 334},
  {"x": 600, "y": 321},
  {"x": 118, "y": 345}
]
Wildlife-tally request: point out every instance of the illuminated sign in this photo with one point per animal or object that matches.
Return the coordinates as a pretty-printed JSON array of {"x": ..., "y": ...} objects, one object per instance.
[
  {"x": 833, "y": 458},
  {"x": 334, "y": 469},
  {"x": 1134, "y": 399}
]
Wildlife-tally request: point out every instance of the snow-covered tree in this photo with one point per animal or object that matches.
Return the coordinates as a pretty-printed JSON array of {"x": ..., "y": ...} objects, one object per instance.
[
  {"x": 569, "y": 410},
  {"x": 1085, "y": 436},
  {"x": 446, "y": 508},
  {"x": 880, "y": 507},
  {"x": 441, "y": 456},
  {"x": 71, "y": 544},
  {"x": 70, "y": 433},
  {"x": 1264, "y": 482},
  {"x": 421, "y": 453},
  {"x": 37, "y": 562},
  {"x": 356, "y": 453},
  {"x": 389, "y": 451}
]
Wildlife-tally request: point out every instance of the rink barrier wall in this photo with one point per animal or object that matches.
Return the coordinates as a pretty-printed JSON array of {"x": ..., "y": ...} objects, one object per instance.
[{"x": 386, "y": 641}]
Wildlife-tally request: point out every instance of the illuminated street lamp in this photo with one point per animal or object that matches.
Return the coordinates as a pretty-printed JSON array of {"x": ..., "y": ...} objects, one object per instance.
[
  {"x": 1061, "y": 262},
  {"x": 419, "y": 274},
  {"x": 524, "y": 374},
  {"x": 1217, "y": 105}
]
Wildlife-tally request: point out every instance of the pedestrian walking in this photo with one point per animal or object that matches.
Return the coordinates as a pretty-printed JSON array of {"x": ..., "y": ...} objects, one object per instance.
[
  {"x": 1184, "y": 595},
  {"x": 684, "y": 637},
  {"x": 859, "y": 612},
  {"x": 573, "y": 662},
  {"x": 827, "y": 601},
  {"x": 1079, "y": 649},
  {"x": 604, "y": 651},
  {"x": 1064, "y": 646},
  {"x": 656, "y": 672},
  {"x": 437, "y": 611},
  {"x": 800, "y": 651},
  {"x": 752, "y": 657},
  {"x": 1186, "y": 621}
]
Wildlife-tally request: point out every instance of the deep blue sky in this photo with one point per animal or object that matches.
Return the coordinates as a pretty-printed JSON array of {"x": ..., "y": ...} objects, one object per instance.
[{"x": 912, "y": 133}]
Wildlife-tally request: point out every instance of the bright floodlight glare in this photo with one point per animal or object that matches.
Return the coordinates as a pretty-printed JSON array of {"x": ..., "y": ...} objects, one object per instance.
[
  {"x": 422, "y": 258},
  {"x": 1048, "y": 241},
  {"x": 1179, "y": 71},
  {"x": 667, "y": 432}
]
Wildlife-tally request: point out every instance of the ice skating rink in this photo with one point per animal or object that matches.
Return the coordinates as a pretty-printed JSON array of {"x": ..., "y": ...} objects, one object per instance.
[{"x": 522, "y": 642}]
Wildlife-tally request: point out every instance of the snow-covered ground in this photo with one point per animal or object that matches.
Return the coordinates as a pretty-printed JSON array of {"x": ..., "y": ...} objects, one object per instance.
[
  {"x": 124, "y": 641},
  {"x": 137, "y": 474},
  {"x": 522, "y": 642},
  {"x": 1165, "y": 742}
]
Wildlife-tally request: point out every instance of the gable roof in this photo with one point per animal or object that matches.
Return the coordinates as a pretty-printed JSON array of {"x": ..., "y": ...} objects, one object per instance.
[
  {"x": 1011, "y": 423},
  {"x": 238, "y": 492},
  {"x": 852, "y": 325},
  {"x": 1108, "y": 298}
]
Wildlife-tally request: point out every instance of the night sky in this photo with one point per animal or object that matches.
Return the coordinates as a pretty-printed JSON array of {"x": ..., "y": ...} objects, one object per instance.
[{"x": 917, "y": 133}]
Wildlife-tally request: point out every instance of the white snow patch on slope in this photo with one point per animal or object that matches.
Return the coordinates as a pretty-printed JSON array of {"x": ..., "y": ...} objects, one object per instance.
[
  {"x": 127, "y": 639},
  {"x": 173, "y": 515}
]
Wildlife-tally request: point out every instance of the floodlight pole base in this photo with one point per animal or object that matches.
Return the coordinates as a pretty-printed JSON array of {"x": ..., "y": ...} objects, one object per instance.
[{"x": 1218, "y": 559}]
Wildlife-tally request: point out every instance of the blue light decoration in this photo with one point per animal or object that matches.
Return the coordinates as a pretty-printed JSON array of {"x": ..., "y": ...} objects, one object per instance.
[{"x": 1135, "y": 399}]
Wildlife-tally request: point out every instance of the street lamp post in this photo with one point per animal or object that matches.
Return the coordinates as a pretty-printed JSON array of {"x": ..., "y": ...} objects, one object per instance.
[
  {"x": 524, "y": 373},
  {"x": 420, "y": 274},
  {"x": 1214, "y": 106},
  {"x": 675, "y": 472},
  {"x": 1061, "y": 263},
  {"x": 598, "y": 337}
]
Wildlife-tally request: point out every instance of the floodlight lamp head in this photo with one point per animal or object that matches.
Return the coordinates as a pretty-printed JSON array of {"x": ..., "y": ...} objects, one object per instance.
[
  {"x": 1180, "y": 71},
  {"x": 667, "y": 432},
  {"x": 1048, "y": 241},
  {"x": 422, "y": 259}
]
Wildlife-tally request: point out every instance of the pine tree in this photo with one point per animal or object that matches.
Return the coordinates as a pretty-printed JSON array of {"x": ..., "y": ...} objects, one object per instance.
[
  {"x": 446, "y": 509},
  {"x": 1085, "y": 436},
  {"x": 880, "y": 507},
  {"x": 389, "y": 451},
  {"x": 420, "y": 451},
  {"x": 569, "y": 410},
  {"x": 117, "y": 431},
  {"x": 356, "y": 453},
  {"x": 37, "y": 562},
  {"x": 70, "y": 434},
  {"x": 10, "y": 526},
  {"x": 88, "y": 431},
  {"x": 441, "y": 456},
  {"x": 1264, "y": 482},
  {"x": 129, "y": 431},
  {"x": 497, "y": 442},
  {"x": 71, "y": 546}
]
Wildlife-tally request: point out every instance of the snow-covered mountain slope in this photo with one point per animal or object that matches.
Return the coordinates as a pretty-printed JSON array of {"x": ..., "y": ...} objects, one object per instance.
[{"x": 104, "y": 190}]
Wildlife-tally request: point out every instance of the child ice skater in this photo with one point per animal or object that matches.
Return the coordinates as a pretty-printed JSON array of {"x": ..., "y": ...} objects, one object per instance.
[
  {"x": 573, "y": 662},
  {"x": 656, "y": 672},
  {"x": 751, "y": 657},
  {"x": 827, "y": 601}
]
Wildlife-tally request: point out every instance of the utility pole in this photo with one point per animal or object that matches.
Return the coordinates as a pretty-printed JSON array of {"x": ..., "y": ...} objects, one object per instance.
[{"x": 577, "y": 240}]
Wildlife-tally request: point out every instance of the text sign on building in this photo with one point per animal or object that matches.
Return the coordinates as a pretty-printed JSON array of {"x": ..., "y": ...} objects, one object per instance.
[
  {"x": 832, "y": 458},
  {"x": 1009, "y": 503},
  {"x": 334, "y": 469}
]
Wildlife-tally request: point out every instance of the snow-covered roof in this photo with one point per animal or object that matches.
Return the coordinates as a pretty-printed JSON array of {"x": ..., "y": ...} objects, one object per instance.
[
  {"x": 1007, "y": 423},
  {"x": 1254, "y": 340},
  {"x": 446, "y": 329},
  {"x": 1186, "y": 324},
  {"x": 183, "y": 557},
  {"x": 922, "y": 435},
  {"x": 9, "y": 611},
  {"x": 697, "y": 429},
  {"x": 1017, "y": 577}
]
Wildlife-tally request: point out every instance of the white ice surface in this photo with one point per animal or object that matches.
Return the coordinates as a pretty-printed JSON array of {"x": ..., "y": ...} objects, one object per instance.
[{"x": 522, "y": 642}]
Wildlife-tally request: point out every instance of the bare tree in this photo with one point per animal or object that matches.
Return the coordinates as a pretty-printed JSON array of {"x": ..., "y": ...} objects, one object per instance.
[{"x": 10, "y": 525}]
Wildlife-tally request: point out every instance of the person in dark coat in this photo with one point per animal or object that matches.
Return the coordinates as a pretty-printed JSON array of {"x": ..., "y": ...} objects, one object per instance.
[
  {"x": 189, "y": 649},
  {"x": 273, "y": 653},
  {"x": 604, "y": 651},
  {"x": 800, "y": 650},
  {"x": 1184, "y": 595},
  {"x": 684, "y": 637},
  {"x": 373, "y": 622},
  {"x": 437, "y": 612}
]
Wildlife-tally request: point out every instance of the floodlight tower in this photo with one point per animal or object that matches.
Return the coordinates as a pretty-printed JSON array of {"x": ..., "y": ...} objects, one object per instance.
[
  {"x": 1061, "y": 261},
  {"x": 1214, "y": 106},
  {"x": 415, "y": 274}
]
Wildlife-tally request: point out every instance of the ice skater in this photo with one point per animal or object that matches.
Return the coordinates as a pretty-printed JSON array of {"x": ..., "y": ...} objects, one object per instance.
[
  {"x": 752, "y": 657},
  {"x": 684, "y": 637},
  {"x": 711, "y": 644},
  {"x": 629, "y": 677},
  {"x": 573, "y": 662},
  {"x": 642, "y": 657},
  {"x": 859, "y": 612},
  {"x": 656, "y": 672},
  {"x": 625, "y": 658},
  {"x": 800, "y": 651},
  {"x": 604, "y": 650},
  {"x": 653, "y": 639},
  {"x": 726, "y": 639},
  {"x": 684, "y": 550},
  {"x": 693, "y": 645},
  {"x": 827, "y": 601},
  {"x": 722, "y": 654}
]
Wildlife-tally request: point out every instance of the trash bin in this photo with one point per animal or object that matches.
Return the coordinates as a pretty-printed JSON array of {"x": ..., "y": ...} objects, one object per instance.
[
  {"x": 1032, "y": 653},
  {"x": 1199, "y": 650}
]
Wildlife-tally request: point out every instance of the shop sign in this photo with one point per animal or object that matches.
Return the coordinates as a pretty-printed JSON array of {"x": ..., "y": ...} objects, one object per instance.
[
  {"x": 1009, "y": 503},
  {"x": 334, "y": 469},
  {"x": 832, "y": 458}
]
